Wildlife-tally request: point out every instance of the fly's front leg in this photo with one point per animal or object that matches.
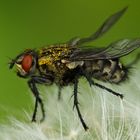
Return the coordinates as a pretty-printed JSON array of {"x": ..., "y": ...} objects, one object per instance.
[
  {"x": 76, "y": 104},
  {"x": 32, "y": 84},
  {"x": 33, "y": 88}
]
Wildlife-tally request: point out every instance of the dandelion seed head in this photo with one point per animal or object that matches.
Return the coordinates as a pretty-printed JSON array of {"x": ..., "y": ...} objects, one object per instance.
[{"x": 107, "y": 117}]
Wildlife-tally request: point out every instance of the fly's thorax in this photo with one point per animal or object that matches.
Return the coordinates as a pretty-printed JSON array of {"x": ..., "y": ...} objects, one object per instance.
[
  {"x": 56, "y": 52},
  {"x": 53, "y": 58},
  {"x": 106, "y": 70},
  {"x": 48, "y": 65}
]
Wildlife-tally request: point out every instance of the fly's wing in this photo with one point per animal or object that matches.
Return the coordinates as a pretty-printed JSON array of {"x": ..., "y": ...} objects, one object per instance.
[
  {"x": 103, "y": 29},
  {"x": 115, "y": 50}
]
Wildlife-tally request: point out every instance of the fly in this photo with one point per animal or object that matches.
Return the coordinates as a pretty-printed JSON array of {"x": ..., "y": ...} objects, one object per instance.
[{"x": 64, "y": 64}]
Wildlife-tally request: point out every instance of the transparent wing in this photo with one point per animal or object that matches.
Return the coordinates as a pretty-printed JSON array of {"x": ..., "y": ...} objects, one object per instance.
[
  {"x": 109, "y": 22},
  {"x": 115, "y": 50}
]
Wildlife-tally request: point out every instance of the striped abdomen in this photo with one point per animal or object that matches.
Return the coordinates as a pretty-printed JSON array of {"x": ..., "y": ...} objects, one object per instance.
[{"x": 106, "y": 70}]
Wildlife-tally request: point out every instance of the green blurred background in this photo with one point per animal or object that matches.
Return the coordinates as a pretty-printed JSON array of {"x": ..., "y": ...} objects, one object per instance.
[{"x": 32, "y": 24}]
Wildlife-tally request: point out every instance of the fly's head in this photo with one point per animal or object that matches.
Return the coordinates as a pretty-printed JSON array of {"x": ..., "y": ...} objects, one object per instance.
[{"x": 25, "y": 63}]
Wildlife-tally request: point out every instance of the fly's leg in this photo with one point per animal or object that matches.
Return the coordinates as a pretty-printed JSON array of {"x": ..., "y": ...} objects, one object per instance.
[
  {"x": 91, "y": 82},
  {"x": 108, "y": 89},
  {"x": 33, "y": 88},
  {"x": 32, "y": 84},
  {"x": 76, "y": 104}
]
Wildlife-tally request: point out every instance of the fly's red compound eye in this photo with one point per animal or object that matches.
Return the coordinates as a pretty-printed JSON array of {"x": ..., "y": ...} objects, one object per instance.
[{"x": 27, "y": 62}]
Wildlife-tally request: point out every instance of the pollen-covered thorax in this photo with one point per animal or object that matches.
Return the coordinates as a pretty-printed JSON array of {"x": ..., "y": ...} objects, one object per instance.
[{"x": 52, "y": 55}]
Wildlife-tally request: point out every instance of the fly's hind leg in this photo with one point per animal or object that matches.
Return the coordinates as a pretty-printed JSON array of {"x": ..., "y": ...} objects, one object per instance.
[
  {"x": 108, "y": 89},
  {"x": 91, "y": 82}
]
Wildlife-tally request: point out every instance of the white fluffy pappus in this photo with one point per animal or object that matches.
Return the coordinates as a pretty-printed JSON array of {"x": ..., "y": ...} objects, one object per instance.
[{"x": 107, "y": 116}]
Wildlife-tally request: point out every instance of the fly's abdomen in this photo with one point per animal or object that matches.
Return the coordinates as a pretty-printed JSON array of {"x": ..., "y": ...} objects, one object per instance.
[{"x": 106, "y": 70}]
